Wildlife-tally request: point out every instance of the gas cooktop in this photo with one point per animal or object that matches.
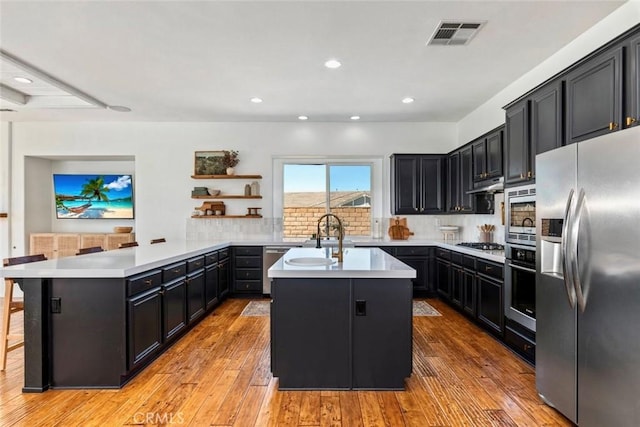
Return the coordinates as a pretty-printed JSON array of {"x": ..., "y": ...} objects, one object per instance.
[{"x": 483, "y": 246}]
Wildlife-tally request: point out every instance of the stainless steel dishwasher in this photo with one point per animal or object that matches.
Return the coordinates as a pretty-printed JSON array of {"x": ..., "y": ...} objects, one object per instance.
[{"x": 270, "y": 255}]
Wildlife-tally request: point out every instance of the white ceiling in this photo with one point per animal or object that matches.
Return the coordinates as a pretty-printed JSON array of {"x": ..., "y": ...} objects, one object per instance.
[{"x": 204, "y": 60}]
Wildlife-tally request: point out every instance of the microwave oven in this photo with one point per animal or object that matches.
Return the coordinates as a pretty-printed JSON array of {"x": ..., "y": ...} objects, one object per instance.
[{"x": 520, "y": 215}]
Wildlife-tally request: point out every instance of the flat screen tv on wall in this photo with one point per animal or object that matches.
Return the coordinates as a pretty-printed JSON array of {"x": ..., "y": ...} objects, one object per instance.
[{"x": 89, "y": 196}]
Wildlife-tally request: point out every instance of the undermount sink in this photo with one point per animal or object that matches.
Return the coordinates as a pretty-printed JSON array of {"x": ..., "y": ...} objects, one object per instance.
[{"x": 310, "y": 261}]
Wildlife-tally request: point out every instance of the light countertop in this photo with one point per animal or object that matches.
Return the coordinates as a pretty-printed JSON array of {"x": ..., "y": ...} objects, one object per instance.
[
  {"x": 357, "y": 262},
  {"x": 131, "y": 261}
]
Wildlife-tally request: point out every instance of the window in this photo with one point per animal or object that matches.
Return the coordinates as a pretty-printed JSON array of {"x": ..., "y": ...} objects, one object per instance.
[{"x": 311, "y": 190}]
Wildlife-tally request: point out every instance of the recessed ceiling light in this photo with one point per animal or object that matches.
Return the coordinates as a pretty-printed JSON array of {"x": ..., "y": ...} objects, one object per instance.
[
  {"x": 355, "y": 117},
  {"x": 333, "y": 64},
  {"x": 303, "y": 118},
  {"x": 119, "y": 108},
  {"x": 256, "y": 100},
  {"x": 408, "y": 100},
  {"x": 23, "y": 80}
]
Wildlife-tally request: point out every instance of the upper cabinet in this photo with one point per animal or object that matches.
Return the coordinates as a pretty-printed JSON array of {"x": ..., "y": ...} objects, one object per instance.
[
  {"x": 417, "y": 184},
  {"x": 546, "y": 119},
  {"x": 460, "y": 180},
  {"x": 632, "y": 118},
  {"x": 594, "y": 96},
  {"x": 518, "y": 158},
  {"x": 487, "y": 156}
]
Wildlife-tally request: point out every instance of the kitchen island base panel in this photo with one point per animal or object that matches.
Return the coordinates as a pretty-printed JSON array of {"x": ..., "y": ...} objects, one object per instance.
[
  {"x": 36, "y": 334},
  {"x": 341, "y": 334}
]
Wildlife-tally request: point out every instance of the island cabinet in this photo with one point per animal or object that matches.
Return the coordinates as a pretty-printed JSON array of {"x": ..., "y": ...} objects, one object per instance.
[
  {"x": 195, "y": 288},
  {"x": 211, "y": 280},
  {"x": 417, "y": 184},
  {"x": 224, "y": 273},
  {"x": 247, "y": 270},
  {"x": 362, "y": 342}
]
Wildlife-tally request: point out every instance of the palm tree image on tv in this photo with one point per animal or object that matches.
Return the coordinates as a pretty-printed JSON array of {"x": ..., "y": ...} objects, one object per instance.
[{"x": 93, "y": 196}]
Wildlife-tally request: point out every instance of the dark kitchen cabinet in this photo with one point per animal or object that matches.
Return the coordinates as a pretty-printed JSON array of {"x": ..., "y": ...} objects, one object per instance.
[
  {"x": 195, "y": 295},
  {"x": 421, "y": 259},
  {"x": 346, "y": 347},
  {"x": 595, "y": 96},
  {"x": 459, "y": 181},
  {"x": 247, "y": 270},
  {"x": 174, "y": 308},
  {"x": 517, "y": 148},
  {"x": 633, "y": 82},
  {"x": 144, "y": 312},
  {"x": 487, "y": 156},
  {"x": 224, "y": 273},
  {"x": 469, "y": 292},
  {"x": 417, "y": 184},
  {"x": 443, "y": 263},
  {"x": 490, "y": 296},
  {"x": 546, "y": 120},
  {"x": 211, "y": 285}
]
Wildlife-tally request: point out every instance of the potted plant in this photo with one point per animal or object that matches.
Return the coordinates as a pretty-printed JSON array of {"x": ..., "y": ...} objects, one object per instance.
[{"x": 230, "y": 160}]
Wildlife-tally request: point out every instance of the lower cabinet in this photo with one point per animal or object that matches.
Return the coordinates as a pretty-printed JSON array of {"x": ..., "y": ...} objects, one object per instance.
[
  {"x": 472, "y": 285},
  {"x": 247, "y": 269},
  {"x": 174, "y": 311},
  {"x": 224, "y": 273},
  {"x": 145, "y": 326},
  {"x": 195, "y": 295},
  {"x": 421, "y": 259},
  {"x": 211, "y": 285}
]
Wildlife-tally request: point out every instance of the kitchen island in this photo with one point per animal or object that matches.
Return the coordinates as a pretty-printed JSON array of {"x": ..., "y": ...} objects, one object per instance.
[
  {"x": 96, "y": 320},
  {"x": 341, "y": 326}
]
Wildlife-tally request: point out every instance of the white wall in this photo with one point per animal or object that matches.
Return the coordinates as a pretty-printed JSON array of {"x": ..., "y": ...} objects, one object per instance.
[
  {"x": 490, "y": 114},
  {"x": 5, "y": 175},
  {"x": 164, "y": 157}
]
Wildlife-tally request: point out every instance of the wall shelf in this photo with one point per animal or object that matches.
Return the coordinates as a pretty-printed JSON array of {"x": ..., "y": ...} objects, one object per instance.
[
  {"x": 227, "y": 196},
  {"x": 226, "y": 176}
]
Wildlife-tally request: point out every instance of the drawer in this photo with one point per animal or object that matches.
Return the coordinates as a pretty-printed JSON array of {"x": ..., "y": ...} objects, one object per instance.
[
  {"x": 211, "y": 258},
  {"x": 247, "y": 250},
  {"x": 143, "y": 282},
  {"x": 223, "y": 254},
  {"x": 412, "y": 251},
  {"x": 443, "y": 253},
  {"x": 248, "y": 286},
  {"x": 456, "y": 258},
  {"x": 247, "y": 262},
  {"x": 469, "y": 262},
  {"x": 490, "y": 269},
  {"x": 521, "y": 344},
  {"x": 173, "y": 271},
  {"x": 194, "y": 264},
  {"x": 248, "y": 274}
]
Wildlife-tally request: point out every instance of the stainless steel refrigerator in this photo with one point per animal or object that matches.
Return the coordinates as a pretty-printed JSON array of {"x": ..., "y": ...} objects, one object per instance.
[{"x": 588, "y": 279}]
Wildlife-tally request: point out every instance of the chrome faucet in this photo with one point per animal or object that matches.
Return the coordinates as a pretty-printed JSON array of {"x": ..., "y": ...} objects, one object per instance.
[{"x": 340, "y": 235}]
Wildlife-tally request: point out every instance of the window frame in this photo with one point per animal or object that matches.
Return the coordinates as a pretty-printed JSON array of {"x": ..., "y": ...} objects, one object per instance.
[{"x": 375, "y": 162}]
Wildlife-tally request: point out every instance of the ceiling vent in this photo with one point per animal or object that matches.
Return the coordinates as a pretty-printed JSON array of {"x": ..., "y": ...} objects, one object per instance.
[{"x": 455, "y": 33}]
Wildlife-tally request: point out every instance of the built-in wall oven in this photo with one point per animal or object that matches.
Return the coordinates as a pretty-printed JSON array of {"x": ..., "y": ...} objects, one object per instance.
[
  {"x": 520, "y": 285},
  {"x": 520, "y": 215}
]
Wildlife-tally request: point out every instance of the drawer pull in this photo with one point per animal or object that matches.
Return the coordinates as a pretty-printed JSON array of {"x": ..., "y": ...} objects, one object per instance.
[
  {"x": 148, "y": 282},
  {"x": 613, "y": 126},
  {"x": 177, "y": 271},
  {"x": 630, "y": 121}
]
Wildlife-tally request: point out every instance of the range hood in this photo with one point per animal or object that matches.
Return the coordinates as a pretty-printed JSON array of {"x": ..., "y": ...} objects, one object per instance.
[{"x": 495, "y": 185}]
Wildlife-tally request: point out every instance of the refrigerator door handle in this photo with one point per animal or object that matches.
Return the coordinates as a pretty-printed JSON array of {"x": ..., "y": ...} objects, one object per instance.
[
  {"x": 566, "y": 265},
  {"x": 575, "y": 228}
]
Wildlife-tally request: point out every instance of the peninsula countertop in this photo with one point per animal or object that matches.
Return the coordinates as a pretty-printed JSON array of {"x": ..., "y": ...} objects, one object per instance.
[{"x": 357, "y": 263}]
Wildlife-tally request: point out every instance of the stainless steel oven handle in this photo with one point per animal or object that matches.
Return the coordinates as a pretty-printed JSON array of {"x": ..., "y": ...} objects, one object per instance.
[
  {"x": 518, "y": 267},
  {"x": 566, "y": 265}
]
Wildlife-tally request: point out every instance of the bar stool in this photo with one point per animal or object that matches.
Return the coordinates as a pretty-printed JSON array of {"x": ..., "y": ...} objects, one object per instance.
[
  {"x": 127, "y": 245},
  {"x": 12, "y": 307},
  {"x": 161, "y": 240}
]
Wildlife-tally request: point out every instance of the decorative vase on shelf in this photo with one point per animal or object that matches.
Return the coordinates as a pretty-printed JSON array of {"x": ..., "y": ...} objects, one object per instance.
[{"x": 231, "y": 171}]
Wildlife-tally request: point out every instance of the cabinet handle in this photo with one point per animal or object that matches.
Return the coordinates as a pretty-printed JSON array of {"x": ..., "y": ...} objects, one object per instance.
[
  {"x": 630, "y": 121},
  {"x": 148, "y": 282},
  {"x": 161, "y": 292},
  {"x": 529, "y": 174},
  {"x": 177, "y": 270},
  {"x": 521, "y": 176},
  {"x": 613, "y": 126},
  {"x": 527, "y": 347}
]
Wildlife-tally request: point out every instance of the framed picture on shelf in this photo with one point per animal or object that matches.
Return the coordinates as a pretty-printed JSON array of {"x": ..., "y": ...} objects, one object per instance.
[{"x": 209, "y": 163}]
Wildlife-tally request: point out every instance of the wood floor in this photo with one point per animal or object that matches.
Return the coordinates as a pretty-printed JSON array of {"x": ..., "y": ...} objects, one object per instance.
[{"x": 218, "y": 374}]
